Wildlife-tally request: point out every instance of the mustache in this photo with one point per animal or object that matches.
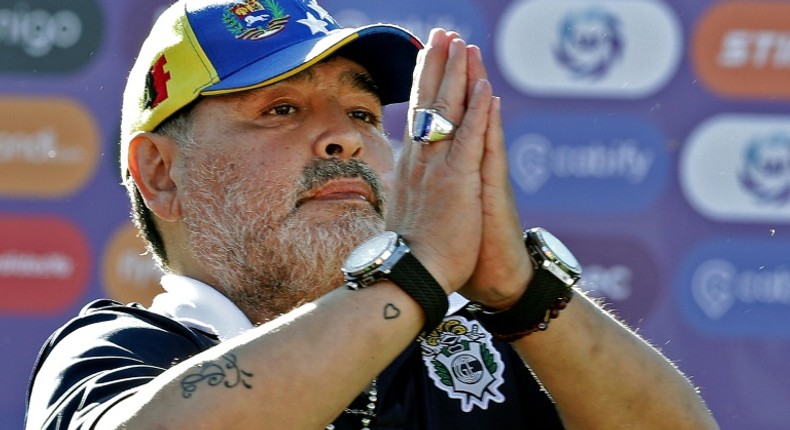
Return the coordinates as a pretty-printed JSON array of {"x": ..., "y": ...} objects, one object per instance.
[{"x": 319, "y": 171}]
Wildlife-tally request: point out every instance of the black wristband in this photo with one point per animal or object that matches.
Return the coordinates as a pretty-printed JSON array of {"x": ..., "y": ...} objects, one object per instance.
[
  {"x": 544, "y": 298},
  {"x": 413, "y": 278}
]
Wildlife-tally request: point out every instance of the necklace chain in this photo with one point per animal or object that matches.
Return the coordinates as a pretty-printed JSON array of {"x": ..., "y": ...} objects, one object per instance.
[{"x": 366, "y": 414}]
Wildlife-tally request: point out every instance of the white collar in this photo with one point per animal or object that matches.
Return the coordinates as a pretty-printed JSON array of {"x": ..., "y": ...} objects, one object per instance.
[{"x": 198, "y": 305}]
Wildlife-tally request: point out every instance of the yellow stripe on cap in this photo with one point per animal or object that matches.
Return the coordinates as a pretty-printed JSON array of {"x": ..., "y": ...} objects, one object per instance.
[
  {"x": 194, "y": 72},
  {"x": 173, "y": 38}
]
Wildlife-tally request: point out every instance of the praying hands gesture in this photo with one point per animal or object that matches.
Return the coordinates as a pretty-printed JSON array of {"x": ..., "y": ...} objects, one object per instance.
[{"x": 600, "y": 373}]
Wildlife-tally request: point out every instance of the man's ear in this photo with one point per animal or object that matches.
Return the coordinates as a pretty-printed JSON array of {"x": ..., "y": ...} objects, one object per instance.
[{"x": 151, "y": 158}]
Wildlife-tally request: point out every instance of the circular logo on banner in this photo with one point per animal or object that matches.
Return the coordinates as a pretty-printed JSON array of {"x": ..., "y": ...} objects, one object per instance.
[
  {"x": 588, "y": 49},
  {"x": 736, "y": 168}
]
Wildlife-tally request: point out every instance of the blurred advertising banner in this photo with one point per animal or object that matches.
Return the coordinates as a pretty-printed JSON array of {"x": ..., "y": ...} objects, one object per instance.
[{"x": 653, "y": 137}]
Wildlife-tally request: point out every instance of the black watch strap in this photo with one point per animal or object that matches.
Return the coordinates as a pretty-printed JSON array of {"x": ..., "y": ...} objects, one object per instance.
[
  {"x": 413, "y": 278},
  {"x": 544, "y": 298}
]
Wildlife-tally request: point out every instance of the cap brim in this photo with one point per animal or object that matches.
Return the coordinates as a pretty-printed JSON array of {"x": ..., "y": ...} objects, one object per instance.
[{"x": 387, "y": 52}]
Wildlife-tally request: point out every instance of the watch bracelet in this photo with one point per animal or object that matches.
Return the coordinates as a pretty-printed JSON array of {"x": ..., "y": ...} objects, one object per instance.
[
  {"x": 413, "y": 278},
  {"x": 541, "y": 302}
]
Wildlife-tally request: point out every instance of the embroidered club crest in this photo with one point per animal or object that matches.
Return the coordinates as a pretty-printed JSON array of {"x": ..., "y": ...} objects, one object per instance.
[
  {"x": 254, "y": 19},
  {"x": 463, "y": 362}
]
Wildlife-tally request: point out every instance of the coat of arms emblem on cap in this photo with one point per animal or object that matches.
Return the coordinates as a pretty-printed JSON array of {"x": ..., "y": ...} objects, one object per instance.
[{"x": 254, "y": 19}]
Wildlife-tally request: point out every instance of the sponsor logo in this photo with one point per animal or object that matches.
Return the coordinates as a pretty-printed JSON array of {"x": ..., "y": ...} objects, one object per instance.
[
  {"x": 585, "y": 161},
  {"x": 740, "y": 49},
  {"x": 129, "y": 274},
  {"x": 573, "y": 49},
  {"x": 737, "y": 287},
  {"x": 590, "y": 42},
  {"x": 737, "y": 168},
  {"x": 766, "y": 170},
  {"x": 462, "y": 362},
  {"x": 624, "y": 275},
  {"x": 44, "y": 264},
  {"x": 49, "y": 35},
  {"x": 252, "y": 21},
  {"x": 48, "y": 147}
]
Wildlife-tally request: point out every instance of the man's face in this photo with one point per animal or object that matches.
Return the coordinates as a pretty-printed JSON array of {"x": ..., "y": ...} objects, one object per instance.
[{"x": 282, "y": 182}]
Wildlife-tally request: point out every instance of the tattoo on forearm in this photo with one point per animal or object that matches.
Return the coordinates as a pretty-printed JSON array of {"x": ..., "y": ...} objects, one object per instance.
[
  {"x": 226, "y": 371},
  {"x": 391, "y": 312}
]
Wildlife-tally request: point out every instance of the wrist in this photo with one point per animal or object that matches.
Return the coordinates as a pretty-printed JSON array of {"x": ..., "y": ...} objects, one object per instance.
[
  {"x": 549, "y": 290},
  {"x": 426, "y": 254},
  {"x": 388, "y": 256},
  {"x": 503, "y": 298},
  {"x": 532, "y": 312}
]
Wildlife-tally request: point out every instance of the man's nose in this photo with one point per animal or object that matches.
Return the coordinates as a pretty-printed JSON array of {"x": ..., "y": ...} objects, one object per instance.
[{"x": 340, "y": 137}]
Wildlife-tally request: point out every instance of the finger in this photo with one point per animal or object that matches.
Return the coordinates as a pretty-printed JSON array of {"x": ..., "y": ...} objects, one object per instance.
[
  {"x": 427, "y": 75},
  {"x": 440, "y": 84},
  {"x": 450, "y": 99},
  {"x": 430, "y": 68},
  {"x": 466, "y": 152},
  {"x": 495, "y": 151},
  {"x": 475, "y": 68},
  {"x": 444, "y": 58},
  {"x": 495, "y": 167}
]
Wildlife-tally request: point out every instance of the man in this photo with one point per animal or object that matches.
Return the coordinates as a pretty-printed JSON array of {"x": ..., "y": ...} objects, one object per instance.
[{"x": 253, "y": 150}]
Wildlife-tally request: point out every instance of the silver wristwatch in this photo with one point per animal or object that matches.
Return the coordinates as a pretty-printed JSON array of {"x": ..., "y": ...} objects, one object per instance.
[
  {"x": 548, "y": 253},
  {"x": 374, "y": 259}
]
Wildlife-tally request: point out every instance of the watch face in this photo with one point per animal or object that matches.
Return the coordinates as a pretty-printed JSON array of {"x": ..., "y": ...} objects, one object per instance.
[
  {"x": 370, "y": 252},
  {"x": 560, "y": 251}
]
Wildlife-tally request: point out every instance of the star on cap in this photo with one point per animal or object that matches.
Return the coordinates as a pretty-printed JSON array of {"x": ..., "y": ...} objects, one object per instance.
[
  {"x": 322, "y": 13},
  {"x": 314, "y": 24}
]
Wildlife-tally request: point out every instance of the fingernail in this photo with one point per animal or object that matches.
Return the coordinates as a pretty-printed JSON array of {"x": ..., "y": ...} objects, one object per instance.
[
  {"x": 480, "y": 84},
  {"x": 475, "y": 50},
  {"x": 453, "y": 47},
  {"x": 434, "y": 35},
  {"x": 456, "y": 46}
]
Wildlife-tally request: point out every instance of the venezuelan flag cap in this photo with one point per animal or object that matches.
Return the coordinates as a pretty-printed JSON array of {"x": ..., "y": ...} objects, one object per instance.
[{"x": 211, "y": 47}]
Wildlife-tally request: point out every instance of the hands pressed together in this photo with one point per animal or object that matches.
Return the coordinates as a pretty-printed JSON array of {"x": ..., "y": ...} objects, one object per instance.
[{"x": 453, "y": 202}]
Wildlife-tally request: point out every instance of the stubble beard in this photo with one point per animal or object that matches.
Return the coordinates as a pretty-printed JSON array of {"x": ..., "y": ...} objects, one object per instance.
[{"x": 263, "y": 252}]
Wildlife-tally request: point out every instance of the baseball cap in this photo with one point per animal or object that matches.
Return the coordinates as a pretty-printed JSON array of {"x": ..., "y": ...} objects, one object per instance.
[{"x": 214, "y": 47}]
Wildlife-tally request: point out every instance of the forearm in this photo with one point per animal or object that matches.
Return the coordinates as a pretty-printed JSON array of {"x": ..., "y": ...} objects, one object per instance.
[
  {"x": 603, "y": 376},
  {"x": 297, "y": 375}
]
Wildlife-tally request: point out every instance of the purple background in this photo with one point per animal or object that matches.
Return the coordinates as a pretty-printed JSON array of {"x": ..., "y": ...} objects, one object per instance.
[{"x": 647, "y": 242}]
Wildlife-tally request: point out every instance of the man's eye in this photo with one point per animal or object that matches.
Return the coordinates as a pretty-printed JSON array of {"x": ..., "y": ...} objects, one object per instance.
[
  {"x": 364, "y": 116},
  {"x": 282, "y": 110}
]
